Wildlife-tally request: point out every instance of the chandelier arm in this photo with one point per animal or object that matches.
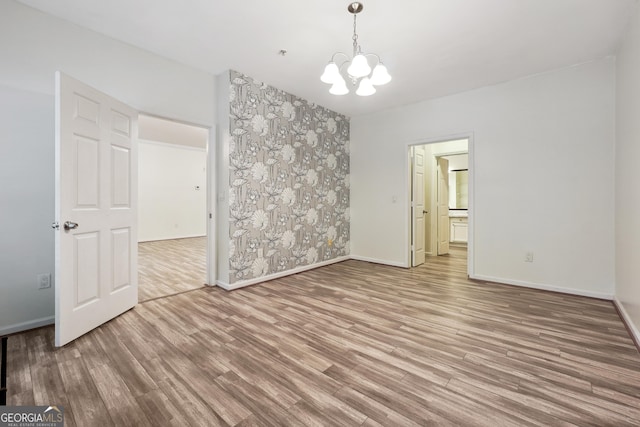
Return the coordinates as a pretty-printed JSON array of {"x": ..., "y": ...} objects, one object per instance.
[
  {"x": 342, "y": 64},
  {"x": 373, "y": 54},
  {"x": 333, "y": 57}
]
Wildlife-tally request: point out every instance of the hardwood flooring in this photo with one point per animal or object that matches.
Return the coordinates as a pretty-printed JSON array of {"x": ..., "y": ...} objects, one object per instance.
[
  {"x": 351, "y": 344},
  {"x": 168, "y": 267}
]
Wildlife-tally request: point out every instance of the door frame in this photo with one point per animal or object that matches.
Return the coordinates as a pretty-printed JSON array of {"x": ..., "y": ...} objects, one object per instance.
[
  {"x": 471, "y": 210},
  {"x": 210, "y": 149},
  {"x": 414, "y": 219}
]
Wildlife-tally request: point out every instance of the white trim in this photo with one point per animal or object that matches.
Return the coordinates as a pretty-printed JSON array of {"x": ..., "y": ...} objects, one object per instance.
[
  {"x": 188, "y": 236},
  {"x": 471, "y": 206},
  {"x": 627, "y": 319},
  {"x": 169, "y": 145},
  {"x": 223, "y": 285},
  {"x": 380, "y": 261},
  {"x": 179, "y": 121},
  {"x": 212, "y": 210},
  {"x": 25, "y": 326},
  {"x": 531, "y": 285},
  {"x": 242, "y": 284}
]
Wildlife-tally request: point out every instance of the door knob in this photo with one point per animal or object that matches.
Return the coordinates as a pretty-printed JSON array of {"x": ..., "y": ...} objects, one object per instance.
[
  {"x": 425, "y": 212},
  {"x": 70, "y": 225}
]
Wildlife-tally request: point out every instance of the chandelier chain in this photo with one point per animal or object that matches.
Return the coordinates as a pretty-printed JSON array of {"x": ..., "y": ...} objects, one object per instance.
[{"x": 355, "y": 36}]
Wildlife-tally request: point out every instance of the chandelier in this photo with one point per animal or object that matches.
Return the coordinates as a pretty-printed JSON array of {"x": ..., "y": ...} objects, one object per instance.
[{"x": 358, "y": 68}]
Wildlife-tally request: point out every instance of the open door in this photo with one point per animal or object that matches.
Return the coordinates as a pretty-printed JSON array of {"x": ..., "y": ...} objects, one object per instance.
[
  {"x": 96, "y": 209},
  {"x": 443, "y": 206},
  {"x": 417, "y": 206}
]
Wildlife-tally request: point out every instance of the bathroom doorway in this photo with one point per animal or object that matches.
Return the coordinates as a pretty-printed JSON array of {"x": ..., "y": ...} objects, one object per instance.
[{"x": 439, "y": 202}]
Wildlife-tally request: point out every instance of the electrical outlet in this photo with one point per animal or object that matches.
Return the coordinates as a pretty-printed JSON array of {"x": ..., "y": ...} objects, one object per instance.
[
  {"x": 528, "y": 257},
  {"x": 44, "y": 281}
]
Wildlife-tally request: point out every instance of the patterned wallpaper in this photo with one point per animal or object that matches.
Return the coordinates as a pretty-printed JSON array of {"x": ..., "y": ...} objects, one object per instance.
[{"x": 288, "y": 181}]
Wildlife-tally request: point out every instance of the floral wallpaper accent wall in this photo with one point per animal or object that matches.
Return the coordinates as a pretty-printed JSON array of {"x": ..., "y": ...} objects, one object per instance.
[{"x": 288, "y": 181}]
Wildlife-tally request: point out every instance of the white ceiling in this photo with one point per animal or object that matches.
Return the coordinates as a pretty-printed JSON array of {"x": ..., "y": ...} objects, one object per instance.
[{"x": 431, "y": 47}]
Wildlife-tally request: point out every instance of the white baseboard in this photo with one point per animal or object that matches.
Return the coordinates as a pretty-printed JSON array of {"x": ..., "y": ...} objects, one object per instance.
[
  {"x": 379, "y": 261},
  {"x": 627, "y": 319},
  {"x": 25, "y": 326},
  {"x": 243, "y": 283},
  {"x": 571, "y": 291},
  {"x": 159, "y": 239}
]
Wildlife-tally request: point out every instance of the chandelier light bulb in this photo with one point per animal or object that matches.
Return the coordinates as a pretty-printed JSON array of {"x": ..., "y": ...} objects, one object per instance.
[
  {"x": 380, "y": 75},
  {"x": 331, "y": 73},
  {"x": 365, "y": 88},
  {"x": 339, "y": 87},
  {"x": 359, "y": 66}
]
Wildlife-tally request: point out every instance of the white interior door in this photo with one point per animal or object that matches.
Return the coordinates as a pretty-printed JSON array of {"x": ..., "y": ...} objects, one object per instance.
[
  {"x": 443, "y": 206},
  {"x": 96, "y": 209},
  {"x": 417, "y": 205}
]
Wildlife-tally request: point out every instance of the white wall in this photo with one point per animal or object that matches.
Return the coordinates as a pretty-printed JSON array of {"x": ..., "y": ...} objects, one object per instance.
[
  {"x": 170, "y": 206},
  {"x": 26, "y": 207},
  {"x": 33, "y": 46},
  {"x": 543, "y": 174},
  {"x": 627, "y": 204}
]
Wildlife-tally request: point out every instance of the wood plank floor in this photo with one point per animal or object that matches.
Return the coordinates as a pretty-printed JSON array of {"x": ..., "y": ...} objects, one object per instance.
[
  {"x": 168, "y": 267},
  {"x": 351, "y": 344}
]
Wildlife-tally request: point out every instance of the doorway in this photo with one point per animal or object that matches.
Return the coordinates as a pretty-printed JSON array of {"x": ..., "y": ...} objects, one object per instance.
[
  {"x": 440, "y": 201},
  {"x": 96, "y": 206},
  {"x": 172, "y": 200}
]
